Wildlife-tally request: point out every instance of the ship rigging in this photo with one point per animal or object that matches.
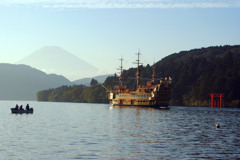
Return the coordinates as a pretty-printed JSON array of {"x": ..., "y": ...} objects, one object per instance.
[{"x": 150, "y": 95}]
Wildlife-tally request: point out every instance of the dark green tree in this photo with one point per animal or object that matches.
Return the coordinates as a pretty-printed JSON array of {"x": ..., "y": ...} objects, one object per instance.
[{"x": 93, "y": 82}]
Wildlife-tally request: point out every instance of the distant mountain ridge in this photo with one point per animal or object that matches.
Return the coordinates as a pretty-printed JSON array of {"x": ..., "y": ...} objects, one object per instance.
[
  {"x": 86, "y": 81},
  {"x": 22, "y": 82},
  {"x": 53, "y": 59}
]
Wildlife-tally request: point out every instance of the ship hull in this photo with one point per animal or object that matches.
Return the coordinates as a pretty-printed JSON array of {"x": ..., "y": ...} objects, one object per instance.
[
  {"x": 142, "y": 106},
  {"x": 156, "y": 96}
]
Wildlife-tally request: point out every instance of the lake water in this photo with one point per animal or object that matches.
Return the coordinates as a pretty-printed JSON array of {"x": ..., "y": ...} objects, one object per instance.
[{"x": 99, "y": 131}]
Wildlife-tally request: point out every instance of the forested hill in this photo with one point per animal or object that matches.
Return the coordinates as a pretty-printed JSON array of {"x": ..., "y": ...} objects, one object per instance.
[
  {"x": 198, "y": 72},
  {"x": 195, "y": 74}
]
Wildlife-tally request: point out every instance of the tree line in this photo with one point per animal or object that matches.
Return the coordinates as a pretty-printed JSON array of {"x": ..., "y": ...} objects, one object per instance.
[{"x": 76, "y": 93}]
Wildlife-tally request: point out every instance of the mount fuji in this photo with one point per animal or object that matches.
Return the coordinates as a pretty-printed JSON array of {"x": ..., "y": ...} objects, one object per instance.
[{"x": 53, "y": 59}]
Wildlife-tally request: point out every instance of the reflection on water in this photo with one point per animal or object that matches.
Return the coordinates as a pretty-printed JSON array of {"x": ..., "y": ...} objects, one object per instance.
[{"x": 99, "y": 131}]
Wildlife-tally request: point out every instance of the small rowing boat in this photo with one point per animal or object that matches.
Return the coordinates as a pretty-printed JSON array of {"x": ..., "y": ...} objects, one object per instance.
[{"x": 20, "y": 111}]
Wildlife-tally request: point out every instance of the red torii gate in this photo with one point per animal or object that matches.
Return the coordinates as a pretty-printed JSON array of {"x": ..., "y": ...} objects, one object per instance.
[{"x": 215, "y": 102}]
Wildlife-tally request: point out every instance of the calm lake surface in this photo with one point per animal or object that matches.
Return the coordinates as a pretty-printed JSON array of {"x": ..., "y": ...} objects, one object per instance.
[{"x": 99, "y": 131}]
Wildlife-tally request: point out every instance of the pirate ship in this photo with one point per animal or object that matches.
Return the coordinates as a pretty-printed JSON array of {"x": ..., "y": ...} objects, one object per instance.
[{"x": 152, "y": 94}]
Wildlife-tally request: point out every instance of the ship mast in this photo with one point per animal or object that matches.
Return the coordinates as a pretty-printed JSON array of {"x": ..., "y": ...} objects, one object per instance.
[
  {"x": 153, "y": 75},
  {"x": 120, "y": 77},
  {"x": 138, "y": 71}
]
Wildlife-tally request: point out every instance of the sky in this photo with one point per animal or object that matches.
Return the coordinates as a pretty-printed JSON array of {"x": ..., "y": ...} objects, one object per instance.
[{"x": 101, "y": 32}]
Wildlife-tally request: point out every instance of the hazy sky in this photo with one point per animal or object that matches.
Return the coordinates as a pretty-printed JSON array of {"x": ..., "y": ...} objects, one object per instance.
[{"x": 100, "y": 32}]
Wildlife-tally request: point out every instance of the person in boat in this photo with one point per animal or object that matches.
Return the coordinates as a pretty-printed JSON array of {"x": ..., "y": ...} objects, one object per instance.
[
  {"x": 27, "y": 107},
  {"x": 21, "y": 107},
  {"x": 16, "y": 107}
]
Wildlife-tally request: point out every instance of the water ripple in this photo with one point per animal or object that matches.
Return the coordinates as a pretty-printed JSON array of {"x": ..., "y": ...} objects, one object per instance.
[{"x": 98, "y": 131}]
